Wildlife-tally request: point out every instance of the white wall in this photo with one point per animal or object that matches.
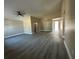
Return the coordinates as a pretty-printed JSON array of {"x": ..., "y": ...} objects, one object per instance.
[
  {"x": 12, "y": 27},
  {"x": 69, "y": 33},
  {"x": 27, "y": 25},
  {"x": 15, "y": 27},
  {"x": 46, "y": 24}
]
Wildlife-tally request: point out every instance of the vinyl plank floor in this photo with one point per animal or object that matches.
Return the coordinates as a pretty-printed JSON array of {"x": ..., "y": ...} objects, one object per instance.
[{"x": 44, "y": 45}]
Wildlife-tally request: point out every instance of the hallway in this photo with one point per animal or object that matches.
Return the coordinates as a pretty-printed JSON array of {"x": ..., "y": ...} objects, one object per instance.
[{"x": 44, "y": 45}]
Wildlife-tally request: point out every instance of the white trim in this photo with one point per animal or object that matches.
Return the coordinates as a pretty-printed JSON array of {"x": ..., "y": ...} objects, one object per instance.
[
  {"x": 13, "y": 35},
  {"x": 70, "y": 57},
  {"x": 16, "y": 34},
  {"x": 27, "y": 33}
]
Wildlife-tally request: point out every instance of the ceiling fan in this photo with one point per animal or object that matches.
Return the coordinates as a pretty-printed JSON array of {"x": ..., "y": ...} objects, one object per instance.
[{"x": 20, "y": 13}]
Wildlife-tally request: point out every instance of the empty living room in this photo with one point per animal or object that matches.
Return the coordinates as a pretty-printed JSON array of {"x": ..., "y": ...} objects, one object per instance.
[{"x": 39, "y": 29}]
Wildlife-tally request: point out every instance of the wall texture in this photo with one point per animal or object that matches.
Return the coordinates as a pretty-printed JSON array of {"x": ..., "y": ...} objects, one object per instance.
[
  {"x": 68, "y": 11},
  {"x": 12, "y": 27},
  {"x": 27, "y": 24},
  {"x": 46, "y": 24}
]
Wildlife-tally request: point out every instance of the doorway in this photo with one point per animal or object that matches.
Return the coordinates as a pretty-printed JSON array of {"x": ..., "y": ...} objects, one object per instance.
[
  {"x": 35, "y": 27},
  {"x": 56, "y": 25}
]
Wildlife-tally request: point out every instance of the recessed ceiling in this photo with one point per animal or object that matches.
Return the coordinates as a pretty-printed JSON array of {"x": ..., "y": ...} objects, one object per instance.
[{"x": 33, "y": 7}]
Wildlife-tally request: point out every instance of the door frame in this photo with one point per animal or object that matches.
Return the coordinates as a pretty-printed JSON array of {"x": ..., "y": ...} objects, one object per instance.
[{"x": 53, "y": 25}]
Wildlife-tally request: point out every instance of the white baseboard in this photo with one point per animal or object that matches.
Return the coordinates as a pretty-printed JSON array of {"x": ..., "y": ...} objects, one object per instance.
[
  {"x": 27, "y": 33},
  {"x": 13, "y": 35},
  {"x": 67, "y": 49}
]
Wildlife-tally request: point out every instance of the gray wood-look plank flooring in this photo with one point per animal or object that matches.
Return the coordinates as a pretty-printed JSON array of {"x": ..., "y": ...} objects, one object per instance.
[{"x": 43, "y": 45}]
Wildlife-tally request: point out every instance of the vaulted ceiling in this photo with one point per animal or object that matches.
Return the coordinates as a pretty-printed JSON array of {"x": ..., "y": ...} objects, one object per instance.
[{"x": 33, "y": 7}]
